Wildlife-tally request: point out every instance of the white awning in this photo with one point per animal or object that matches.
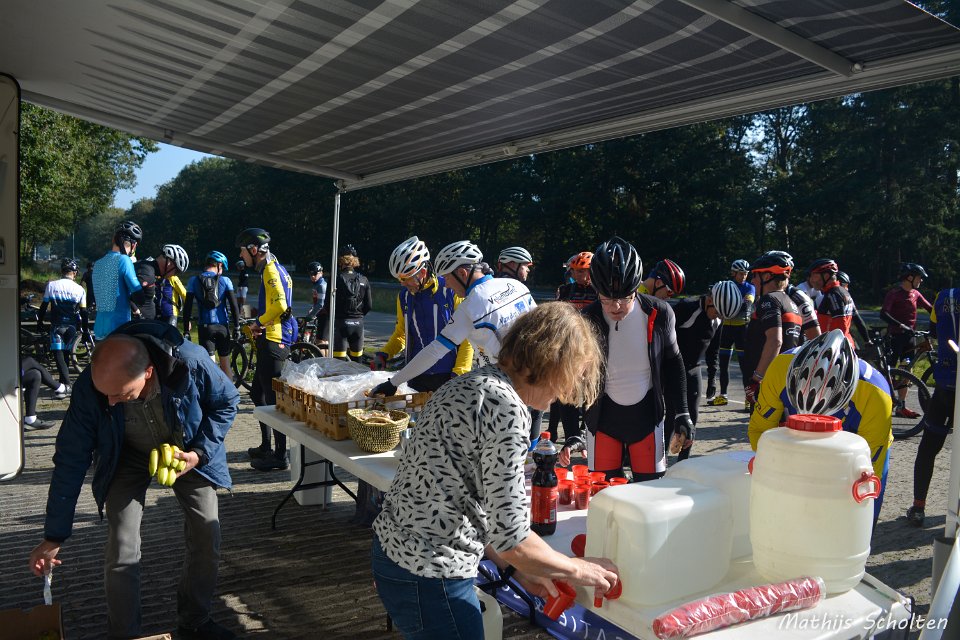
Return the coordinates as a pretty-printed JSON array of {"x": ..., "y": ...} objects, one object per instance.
[{"x": 375, "y": 91}]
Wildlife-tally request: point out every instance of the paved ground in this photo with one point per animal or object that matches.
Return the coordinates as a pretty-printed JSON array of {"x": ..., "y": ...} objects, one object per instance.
[{"x": 311, "y": 577}]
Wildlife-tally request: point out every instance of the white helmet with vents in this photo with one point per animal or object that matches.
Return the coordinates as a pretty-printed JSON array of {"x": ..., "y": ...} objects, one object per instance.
[
  {"x": 823, "y": 375},
  {"x": 177, "y": 255},
  {"x": 408, "y": 258},
  {"x": 515, "y": 254},
  {"x": 727, "y": 299},
  {"x": 457, "y": 254}
]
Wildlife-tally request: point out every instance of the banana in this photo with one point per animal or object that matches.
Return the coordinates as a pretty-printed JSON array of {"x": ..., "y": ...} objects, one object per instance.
[
  {"x": 167, "y": 454},
  {"x": 154, "y": 461},
  {"x": 171, "y": 477},
  {"x": 162, "y": 475},
  {"x": 183, "y": 466}
]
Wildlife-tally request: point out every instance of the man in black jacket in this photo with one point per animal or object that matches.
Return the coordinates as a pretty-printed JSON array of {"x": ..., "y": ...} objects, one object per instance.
[{"x": 643, "y": 364}]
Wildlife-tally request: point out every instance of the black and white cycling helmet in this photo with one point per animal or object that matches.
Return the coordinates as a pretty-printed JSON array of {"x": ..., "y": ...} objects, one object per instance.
[
  {"x": 461, "y": 253},
  {"x": 740, "y": 266},
  {"x": 823, "y": 375},
  {"x": 314, "y": 268},
  {"x": 68, "y": 265},
  {"x": 912, "y": 269},
  {"x": 254, "y": 236},
  {"x": 177, "y": 255},
  {"x": 410, "y": 256},
  {"x": 727, "y": 299},
  {"x": 616, "y": 270},
  {"x": 128, "y": 231},
  {"x": 515, "y": 254}
]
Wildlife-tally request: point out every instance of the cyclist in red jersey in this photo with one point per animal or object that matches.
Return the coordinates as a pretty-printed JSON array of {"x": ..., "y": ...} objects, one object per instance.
[
  {"x": 836, "y": 308},
  {"x": 899, "y": 310},
  {"x": 775, "y": 324}
]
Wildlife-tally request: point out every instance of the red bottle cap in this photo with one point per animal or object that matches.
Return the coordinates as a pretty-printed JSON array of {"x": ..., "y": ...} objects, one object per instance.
[
  {"x": 814, "y": 423},
  {"x": 544, "y": 435}
]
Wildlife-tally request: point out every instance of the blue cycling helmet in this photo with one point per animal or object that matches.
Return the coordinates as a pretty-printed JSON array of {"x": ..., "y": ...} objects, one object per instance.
[{"x": 216, "y": 256}]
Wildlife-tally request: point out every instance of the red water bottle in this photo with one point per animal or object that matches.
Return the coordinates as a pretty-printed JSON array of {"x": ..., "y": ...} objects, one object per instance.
[{"x": 544, "y": 493}]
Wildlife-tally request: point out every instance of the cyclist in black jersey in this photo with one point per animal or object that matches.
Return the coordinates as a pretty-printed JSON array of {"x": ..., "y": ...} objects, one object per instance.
[
  {"x": 354, "y": 301},
  {"x": 810, "y": 328},
  {"x": 697, "y": 320},
  {"x": 858, "y": 322},
  {"x": 775, "y": 324}
]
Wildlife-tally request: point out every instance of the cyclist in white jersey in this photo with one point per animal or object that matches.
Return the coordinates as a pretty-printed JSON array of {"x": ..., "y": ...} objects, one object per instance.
[
  {"x": 490, "y": 305},
  {"x": 68, "y": 304}
]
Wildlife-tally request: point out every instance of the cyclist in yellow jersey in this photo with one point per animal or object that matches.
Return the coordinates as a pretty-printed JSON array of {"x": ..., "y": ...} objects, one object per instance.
[
  {"x": 867, "y": 413},
  {"x": 665, "y": 280},
  {"x": 731, "y": 337},
  {"x": 275, "y": 330},
  {"x": 171, "y": 294}
]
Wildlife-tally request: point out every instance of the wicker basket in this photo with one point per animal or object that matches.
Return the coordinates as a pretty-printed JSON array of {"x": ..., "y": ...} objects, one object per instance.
[{"x": 376, "y": 436}]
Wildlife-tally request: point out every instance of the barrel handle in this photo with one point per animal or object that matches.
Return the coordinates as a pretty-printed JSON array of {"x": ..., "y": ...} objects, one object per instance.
[{"x": 867, "y": 486}]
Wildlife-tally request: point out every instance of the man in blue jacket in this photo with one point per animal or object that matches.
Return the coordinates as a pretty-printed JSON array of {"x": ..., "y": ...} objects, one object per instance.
[{"x": 144, "y": 387}]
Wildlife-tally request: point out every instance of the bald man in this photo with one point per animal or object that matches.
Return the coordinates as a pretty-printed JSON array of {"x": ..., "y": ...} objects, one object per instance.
[{"x": 144, "y": 387}]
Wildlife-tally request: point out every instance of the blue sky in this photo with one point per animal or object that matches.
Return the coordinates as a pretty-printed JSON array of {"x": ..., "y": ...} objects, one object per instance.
[{"x": 158, "y": 168}]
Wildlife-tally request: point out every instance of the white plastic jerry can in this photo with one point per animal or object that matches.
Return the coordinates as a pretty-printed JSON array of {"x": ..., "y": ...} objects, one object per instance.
[{"x": 811, "y": 503}]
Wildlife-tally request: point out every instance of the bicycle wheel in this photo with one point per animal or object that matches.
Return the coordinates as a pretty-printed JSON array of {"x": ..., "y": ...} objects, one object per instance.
[
  {"x": 242, "y": 367},
  {"x": 922, "y": 364},
  {"x": 304, "y": 351},
  {"x": 908, "y": 412},
  {"x": 80, "y": 354}
]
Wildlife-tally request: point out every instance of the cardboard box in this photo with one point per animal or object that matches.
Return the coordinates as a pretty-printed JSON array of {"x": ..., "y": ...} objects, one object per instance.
[{"x": 31, "y": 624}]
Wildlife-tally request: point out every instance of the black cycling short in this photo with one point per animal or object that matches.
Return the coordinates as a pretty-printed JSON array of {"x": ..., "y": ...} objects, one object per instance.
[
  {"x": 348, "y": 332},
  {"x": 216, "y": 339},
  {"x": 901, "y": 344}
]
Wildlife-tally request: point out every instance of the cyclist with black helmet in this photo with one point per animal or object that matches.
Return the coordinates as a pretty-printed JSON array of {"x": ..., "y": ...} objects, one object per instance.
[
  {"x": 899, "y": 309},
  {"x": 578, "y": 292},
  {"x": 824, "y": 376},
  {"x": 775, "y": 324},
  {"x": 731, "y": 337},
  {"x": 68, "y": 305},
  {"x": 697, "y": 320},
  {"x": 665, "y": 280},
  {"x": 844, "y": 279},
  {"x": 424, "y": 307},
  {"x": 643, "y": 364},
  {"x": 489, "y": 307},
  {"x": 217, "y": 313},
  {"x": 243, "y": 277},
  {"x": 319, "y": 286},
  {"x": 514, "y": 262},
  {"x": 172, "y": 262},
  {"x": 275, "y": 330},
  {"x": 115, "y": 281}
]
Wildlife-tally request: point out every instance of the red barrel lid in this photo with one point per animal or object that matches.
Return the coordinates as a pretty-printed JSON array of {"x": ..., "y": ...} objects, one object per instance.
[{"x": 814, "y": 422}]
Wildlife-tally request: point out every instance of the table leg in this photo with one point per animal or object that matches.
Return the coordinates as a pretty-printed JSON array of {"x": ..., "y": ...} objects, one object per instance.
[{"x": 300, "y": 486}]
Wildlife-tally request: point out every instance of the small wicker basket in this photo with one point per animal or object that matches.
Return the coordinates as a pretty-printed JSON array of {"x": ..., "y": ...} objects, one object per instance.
[{"x": 376, "y": 434}]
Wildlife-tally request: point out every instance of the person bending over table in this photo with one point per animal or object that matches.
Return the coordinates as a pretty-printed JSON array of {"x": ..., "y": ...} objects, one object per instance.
[{"x": 459, "y": 491}]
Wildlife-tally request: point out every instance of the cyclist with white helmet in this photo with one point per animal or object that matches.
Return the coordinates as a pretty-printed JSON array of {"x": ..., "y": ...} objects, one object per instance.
[
  {"x": 489, "y": 307},
  {"x": 731, "y": 336},
  {"x": 665, "y": 280},
  {"x": 68, "y": 305},
  {"x": 115, "y": 281},
  {"x": 824, "y": 376},
  {"x": 642, "y": 365},
  {"x": 514, "y": 262},
  {"x": 172, "y": 262},
  {"x": 697, "y": 321},
  {"x": 216, "y": 309},
  {"x": 424, "y": 307}
]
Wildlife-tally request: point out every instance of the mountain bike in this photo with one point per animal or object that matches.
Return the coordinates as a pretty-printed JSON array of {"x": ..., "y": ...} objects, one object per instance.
[
  {"x": 921, "y": 359},
  {"x": 81, "y": 351},
  {"x": 908, "y": 412},
  {"x": 243, "y": 359}
]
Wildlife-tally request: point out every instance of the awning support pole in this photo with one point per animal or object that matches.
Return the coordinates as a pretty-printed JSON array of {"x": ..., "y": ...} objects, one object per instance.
[{"x": 333, "y": 267}]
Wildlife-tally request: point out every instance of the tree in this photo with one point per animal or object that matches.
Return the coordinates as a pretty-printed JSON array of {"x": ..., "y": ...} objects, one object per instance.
[{"x": 70, "y": 170}]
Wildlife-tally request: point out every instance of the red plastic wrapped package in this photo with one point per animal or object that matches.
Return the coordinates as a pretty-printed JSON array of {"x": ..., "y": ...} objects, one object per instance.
[{"x": 726, "y": 609}]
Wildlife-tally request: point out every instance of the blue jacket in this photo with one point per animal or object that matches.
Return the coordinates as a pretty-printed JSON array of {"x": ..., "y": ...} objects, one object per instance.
[{"x": 197, "y": 398}]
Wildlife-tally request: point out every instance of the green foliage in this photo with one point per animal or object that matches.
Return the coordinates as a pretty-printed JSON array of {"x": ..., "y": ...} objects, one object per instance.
[{"x": 69, "y": 172}]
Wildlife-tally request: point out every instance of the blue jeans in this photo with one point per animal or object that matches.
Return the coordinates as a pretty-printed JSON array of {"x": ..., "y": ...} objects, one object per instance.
[{"x": 426, "y": 608}]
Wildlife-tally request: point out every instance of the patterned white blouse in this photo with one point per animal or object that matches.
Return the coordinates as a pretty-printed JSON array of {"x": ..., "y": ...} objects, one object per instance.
[{"x": 460, "y": 483}]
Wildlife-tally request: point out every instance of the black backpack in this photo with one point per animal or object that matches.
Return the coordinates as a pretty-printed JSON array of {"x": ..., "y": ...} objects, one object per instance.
[
  {"x": 353, "y": 283},
  {"x": 210, "y": 291}
]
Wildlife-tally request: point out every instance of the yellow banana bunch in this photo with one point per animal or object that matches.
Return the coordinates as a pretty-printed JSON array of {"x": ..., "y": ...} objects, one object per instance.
[{"x": 165, "y": 465}]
